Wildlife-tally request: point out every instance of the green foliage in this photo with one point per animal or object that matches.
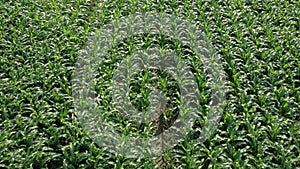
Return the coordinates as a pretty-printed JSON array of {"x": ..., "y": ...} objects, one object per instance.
[{"x": 257, "y": 40}]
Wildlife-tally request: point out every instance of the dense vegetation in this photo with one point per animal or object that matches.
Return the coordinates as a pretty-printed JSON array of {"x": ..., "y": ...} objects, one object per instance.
[{"x": 258, "y": 41}]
